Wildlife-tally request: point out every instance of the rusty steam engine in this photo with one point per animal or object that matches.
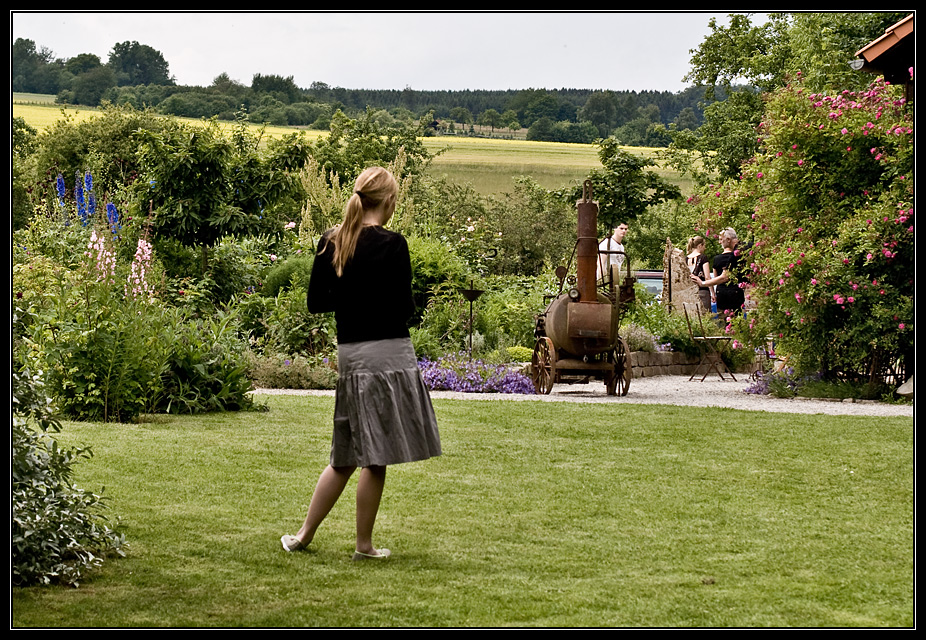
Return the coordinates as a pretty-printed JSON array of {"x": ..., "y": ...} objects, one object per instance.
[{"x": 577, "y": 335}]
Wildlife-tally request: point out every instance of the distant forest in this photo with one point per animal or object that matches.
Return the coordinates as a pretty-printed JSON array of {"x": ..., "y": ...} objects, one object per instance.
[{"x": 138, "y": 75}]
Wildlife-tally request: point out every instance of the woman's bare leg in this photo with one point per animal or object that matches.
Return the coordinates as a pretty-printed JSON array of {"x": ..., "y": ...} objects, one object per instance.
[
  {"x": 330, "y": 485},
  {"x": 369, "y": 492}
]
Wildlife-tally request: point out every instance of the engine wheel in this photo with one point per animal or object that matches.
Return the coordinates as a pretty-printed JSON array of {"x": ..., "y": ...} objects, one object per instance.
[
  {"x": 617, "y": 381},
  {"x": 543, "y": 365}
]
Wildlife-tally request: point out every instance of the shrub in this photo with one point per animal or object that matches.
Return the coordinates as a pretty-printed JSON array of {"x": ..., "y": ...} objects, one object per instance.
[
  {"x": 283, "y": 324},
  {"x": 207, "y": 367},
  {"x": 57, "y": 531},
  {"x": 519, "y": 353},
  {"x": 638, "y": 338},
  {"x": 104, "y": 144},
  {"x": 506, "y": 313},
  {"x": 293, "y": 372},
  {"x": 294, "y": 271},
  {"x": 436, "y": 271}
]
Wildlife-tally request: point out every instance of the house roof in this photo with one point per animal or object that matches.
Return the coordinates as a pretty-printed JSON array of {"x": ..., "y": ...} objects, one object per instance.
[{"x": 892, "y": 54}]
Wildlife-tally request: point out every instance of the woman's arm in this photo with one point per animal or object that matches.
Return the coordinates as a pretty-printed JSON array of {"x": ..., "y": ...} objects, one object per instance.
[
  {"x": 723, "y": 277},
  {"x": 405, "y": 277},
  {"x": 320, "y": 295},
  {"x": 704, "y": 269}
]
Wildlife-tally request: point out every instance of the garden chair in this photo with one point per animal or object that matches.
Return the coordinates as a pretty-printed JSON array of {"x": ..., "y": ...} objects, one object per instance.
[{"x": 710, "y": 346}]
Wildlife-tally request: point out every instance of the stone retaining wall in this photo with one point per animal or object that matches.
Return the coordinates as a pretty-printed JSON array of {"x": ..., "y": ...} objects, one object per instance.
[{"x": 664, "y": 363}]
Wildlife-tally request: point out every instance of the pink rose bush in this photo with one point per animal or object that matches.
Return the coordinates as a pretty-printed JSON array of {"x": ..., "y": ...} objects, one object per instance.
[{"x": 828, "y": 229}]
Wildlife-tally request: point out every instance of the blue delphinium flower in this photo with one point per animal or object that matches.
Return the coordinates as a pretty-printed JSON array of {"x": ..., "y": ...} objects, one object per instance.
[
  {"x": 60, "y": 188},
  {"x": 88, "y": 190},
  {"x": 112, "y": 215},
  {"x": 81, "y": 203}
]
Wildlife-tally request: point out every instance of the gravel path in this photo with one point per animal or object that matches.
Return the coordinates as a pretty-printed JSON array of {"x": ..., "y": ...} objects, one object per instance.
[{"x": 675, "y": 390}]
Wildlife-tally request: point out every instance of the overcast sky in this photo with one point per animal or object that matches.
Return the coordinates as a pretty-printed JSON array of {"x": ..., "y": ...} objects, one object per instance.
[{"x": 368, "y": 50}]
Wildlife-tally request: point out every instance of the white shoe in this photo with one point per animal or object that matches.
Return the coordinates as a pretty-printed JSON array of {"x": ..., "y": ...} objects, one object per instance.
[{"x": 381, "y": 554}]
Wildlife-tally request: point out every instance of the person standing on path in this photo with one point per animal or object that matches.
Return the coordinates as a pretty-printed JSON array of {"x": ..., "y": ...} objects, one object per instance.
[
  {"x": 698, "y": 265},
  {"x": 608, "y": 259},
  {"x": 383, "y": 413},
  {"x": 730, "y": 296}
]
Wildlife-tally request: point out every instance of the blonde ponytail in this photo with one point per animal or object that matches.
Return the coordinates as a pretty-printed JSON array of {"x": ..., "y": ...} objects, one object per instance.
[
  {"x": 694, "y": 242},
  {"x": 371, "y": 189}
]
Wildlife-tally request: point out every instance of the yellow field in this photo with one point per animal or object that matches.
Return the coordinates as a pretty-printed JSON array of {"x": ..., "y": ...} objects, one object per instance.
[
  {"x": 41, "y": 116},
  {"x": 489, "y": 164}
]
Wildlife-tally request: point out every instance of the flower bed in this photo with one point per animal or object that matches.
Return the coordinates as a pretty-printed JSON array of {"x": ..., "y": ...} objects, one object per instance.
[{"x": 458, "y": 373}]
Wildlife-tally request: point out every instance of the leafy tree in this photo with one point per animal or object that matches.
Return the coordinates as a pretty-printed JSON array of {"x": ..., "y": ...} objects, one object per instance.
[
  {"x": 82, "y": 63},
  {"x": 135, "y": 63},
  {"x": 490, "y": 118},
  {"x": 821, "y": 44},
  {"x": 575, "y": 132},
  {"x": 741, "y": 52},
  {"x": 736, "y": 64},
  {"x": 623, "y": 187},
  {"x": 353, "y": 145},
  {"x": 34, "y": 70},
  {"x": 637, "y": 132},
  {"x": 542, "y": 105},
  {"x": 727, "y": 138},
  {"x": 225, "y": 85},
  {"x": 89, "y": 87},
  {"x": 541, "y": 130},
  {"x": 198, "y": 104},
  {"x": 686, "y": 119},
  {"x": 283, "y": 89},
  {"x": 601, "y": 110},
  {"x": 142, "y": 96}
]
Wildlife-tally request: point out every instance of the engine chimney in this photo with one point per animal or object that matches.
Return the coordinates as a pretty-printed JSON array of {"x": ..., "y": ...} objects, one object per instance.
[{"x": 587, "y": 245}]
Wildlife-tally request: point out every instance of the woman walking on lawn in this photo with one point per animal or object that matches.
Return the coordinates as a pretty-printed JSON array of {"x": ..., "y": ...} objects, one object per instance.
[{"x": 383, "y": 413}]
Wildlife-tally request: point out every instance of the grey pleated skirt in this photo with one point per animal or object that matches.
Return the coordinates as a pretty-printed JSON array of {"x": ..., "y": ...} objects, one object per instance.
[{"x": 383, "y": 413}]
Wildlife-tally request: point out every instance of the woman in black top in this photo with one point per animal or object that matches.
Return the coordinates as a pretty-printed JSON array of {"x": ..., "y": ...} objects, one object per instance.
[
  {"x": 383, "y": 413},
  {"x": 698, "y": 264},
  {"x": 730, "y": 297}
]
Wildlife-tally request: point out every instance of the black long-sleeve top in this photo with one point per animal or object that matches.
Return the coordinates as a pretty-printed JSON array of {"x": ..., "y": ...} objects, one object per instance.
[{"x": 372, "y": 299}]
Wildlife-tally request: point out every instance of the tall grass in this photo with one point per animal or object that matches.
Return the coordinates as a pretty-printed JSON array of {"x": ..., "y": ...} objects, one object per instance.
[{"x": 538, "y": 514}]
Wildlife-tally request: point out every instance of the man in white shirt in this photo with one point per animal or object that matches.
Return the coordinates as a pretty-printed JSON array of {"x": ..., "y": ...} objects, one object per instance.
[{"x": 614, "y": 242}]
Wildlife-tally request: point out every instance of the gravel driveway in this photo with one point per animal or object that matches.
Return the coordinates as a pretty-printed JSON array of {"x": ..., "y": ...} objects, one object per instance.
[{"x": 675, "y": 390}]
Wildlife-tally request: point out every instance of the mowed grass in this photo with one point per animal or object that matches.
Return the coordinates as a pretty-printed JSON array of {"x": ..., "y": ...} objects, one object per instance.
[{"x": 537, "y": 515}]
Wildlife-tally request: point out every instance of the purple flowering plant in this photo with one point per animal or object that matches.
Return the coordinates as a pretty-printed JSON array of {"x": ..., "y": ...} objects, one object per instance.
[{"x": 456, "y": 372}]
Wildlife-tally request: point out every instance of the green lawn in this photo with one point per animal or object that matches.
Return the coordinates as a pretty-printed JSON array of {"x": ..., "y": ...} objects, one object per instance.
[{"x": 538, "y": 514}]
